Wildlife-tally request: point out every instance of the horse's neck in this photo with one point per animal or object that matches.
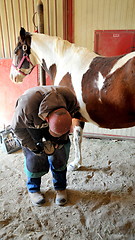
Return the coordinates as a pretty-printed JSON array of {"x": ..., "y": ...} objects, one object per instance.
[
  {"x": 51, "y": 49},
  {"x": 66, "y": 57}
]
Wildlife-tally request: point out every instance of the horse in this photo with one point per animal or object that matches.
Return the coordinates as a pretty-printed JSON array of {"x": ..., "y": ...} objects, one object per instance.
[{"x": 104, "y": 86}]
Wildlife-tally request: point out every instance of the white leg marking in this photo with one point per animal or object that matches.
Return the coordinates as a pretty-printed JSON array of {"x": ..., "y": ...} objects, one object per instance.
[{"x": 77, "y": 139}]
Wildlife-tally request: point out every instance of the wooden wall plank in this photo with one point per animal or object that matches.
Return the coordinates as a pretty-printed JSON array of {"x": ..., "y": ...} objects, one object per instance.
[
  {"x": 104, "y": 22},
  {"x": 30, "y": 13},
  {"x": 46, "y": 17},
  {"x": 59, "y": 17},
  {"x": 52, "y": 17},
  {"x": 89, "y": 24},
  {"x": 78, "y": 22},
  {"x": 2, "y": 52},
  {"x": 5, "y": 29},
  {"x": 130, "y": 17},
  {"x": 17, "y": 17},
  {"x": 23, "y": 11},
  {"x": 101, "y": 14},
  {"x": 84, "y": 28},
  {"x": 10, "y": 25},
  {"x": 123, "y": 14}
]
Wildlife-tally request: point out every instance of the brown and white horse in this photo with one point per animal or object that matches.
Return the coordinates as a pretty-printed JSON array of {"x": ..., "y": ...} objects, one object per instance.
[{"x": 104, "y": 86}]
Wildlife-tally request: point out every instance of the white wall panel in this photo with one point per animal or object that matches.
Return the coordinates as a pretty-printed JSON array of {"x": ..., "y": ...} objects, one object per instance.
[{"x": 124, "y": 133}]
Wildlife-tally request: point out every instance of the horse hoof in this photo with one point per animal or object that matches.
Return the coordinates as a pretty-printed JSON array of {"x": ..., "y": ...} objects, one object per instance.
[{"x": 73, "y": 167}]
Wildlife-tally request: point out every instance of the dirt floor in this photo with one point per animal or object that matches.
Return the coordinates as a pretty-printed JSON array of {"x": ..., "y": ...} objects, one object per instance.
[{"x": 101, "y": 197}]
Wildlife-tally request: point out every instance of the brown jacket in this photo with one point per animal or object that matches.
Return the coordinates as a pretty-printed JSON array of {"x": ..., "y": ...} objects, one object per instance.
[{"x": 38, "y": 102}]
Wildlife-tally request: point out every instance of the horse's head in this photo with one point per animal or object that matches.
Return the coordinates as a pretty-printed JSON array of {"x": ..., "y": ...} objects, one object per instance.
[{"x": 21, "y": 64}]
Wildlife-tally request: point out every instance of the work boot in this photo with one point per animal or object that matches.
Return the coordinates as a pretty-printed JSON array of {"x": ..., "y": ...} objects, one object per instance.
[
  {"x": 61, "y": 197},
  {"x": 37, "y": 198}
]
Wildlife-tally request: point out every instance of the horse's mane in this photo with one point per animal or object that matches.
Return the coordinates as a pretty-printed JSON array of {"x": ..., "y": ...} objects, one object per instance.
[{"x": 62, "y": 46}]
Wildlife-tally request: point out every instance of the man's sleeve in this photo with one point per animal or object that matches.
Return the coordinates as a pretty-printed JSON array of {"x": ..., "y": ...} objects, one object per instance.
[
  {"x": 72, "y": 104},
  {"x": 21, "y": 131}
]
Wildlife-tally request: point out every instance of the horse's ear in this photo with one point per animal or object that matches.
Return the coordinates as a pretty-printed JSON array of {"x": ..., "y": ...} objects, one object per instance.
[{"x": 22, "y": 33}]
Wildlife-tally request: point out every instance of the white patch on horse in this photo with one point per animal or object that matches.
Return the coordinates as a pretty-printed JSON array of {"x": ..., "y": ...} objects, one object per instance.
[
  {"x": 100, "y": 84},
  {"x": 45, "y": 51},
  {"x": 100, "y": 81},
  {"x": 122, "y": 61}
]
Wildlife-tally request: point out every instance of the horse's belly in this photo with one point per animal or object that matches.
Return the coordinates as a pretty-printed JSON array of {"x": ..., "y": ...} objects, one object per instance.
[{"x": 107, "y": 117}]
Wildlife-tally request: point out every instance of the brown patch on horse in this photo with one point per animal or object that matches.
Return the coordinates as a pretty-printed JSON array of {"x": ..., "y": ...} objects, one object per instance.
[
  {"x": 117, "y": 106},
  {"x": 103, "y": 65},
  {"x": 66, "y": 81},
  {"x": 51, "y": 71}
]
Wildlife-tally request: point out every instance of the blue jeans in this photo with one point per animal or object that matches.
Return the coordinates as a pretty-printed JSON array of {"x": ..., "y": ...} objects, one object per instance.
[
  {"x": 37, "y": 166},
  {"x": 59, "y": 179}
]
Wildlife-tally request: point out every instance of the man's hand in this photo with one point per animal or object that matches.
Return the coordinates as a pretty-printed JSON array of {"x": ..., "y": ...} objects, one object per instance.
[
  {"x": 39, "y": 148},
  {"x": 49, "y": 148},
  {"x": 46, "y": 147}
]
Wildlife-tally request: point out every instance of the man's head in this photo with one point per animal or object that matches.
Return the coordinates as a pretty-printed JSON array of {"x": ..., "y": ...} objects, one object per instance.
[{"x": 59, "y": 122}]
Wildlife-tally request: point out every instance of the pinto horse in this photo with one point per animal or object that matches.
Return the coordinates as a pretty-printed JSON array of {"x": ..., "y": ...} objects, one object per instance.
[{"x": 104, "y": 86}]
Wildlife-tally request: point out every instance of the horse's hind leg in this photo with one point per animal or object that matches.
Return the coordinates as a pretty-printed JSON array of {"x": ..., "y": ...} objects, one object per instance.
[{"x": 77, "y": 139}]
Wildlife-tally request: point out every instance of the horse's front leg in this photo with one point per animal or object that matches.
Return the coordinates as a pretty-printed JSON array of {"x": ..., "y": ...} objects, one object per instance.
[{"x": 77, "y": 140}]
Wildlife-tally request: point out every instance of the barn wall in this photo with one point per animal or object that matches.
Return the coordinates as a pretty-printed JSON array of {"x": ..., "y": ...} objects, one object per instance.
[
  {"x": 93, "y": 15},
  {"x": 17, "y": 13}
]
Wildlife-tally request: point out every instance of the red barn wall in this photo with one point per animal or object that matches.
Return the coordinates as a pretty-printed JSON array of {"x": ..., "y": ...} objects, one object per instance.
[{"x": 9, "y": 91}]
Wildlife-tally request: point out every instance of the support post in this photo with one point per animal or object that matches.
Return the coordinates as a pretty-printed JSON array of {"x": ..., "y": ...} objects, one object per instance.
[
  {"x": 40, "y": 13},
  {"x": 68, "y": 20}
]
